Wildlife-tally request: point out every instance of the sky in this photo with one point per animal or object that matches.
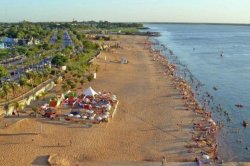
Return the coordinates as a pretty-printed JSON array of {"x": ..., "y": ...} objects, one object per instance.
[{"x": 213, "y": 11}]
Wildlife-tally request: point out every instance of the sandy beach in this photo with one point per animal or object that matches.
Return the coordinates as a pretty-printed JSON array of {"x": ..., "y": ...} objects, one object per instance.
[{"x": 144, "y": 128}]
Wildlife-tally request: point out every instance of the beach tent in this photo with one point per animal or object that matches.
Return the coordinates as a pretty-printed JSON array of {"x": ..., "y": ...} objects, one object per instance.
[
  {"x": 54, "y": 102},
  {"x": 89, "y": 92}
]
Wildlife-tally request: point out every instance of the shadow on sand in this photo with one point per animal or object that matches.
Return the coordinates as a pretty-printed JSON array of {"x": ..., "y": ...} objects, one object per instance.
[
  {"x": 53, "y": 146},
  {"x": 41, "y": 160},
  {"x": 18, "y": 134}
]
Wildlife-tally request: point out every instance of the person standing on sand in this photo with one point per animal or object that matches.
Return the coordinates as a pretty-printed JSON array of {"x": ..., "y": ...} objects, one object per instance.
[
  {"x": 70, "y": 143},
  {"x": 163, "y": 162}
]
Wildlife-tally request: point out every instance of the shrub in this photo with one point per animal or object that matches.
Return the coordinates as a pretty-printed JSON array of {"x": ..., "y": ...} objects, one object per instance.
[
  {"x": 53, "y": 72},
  {"x": 97, "y": 67},
  {"x": 69, "y": 68},
  {"x": 59, "y": 60},
  {"x": 73, "y": 85},
  {"x": 82, "y": 81},
  {"x": 56, "y": 81},
  {"x": 38, "y": 97},
  {"x": 90, "y": 77},
  {"x": 64, "y": 86}
]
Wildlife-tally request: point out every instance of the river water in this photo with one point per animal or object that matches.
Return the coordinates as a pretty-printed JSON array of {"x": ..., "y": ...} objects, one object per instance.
[{"x": 216, "y": 60}]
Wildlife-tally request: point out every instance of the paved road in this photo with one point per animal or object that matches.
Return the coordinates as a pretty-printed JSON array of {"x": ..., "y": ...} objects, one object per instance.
[
  {"x": 54, "y": 38},
  {"x": 67, "y": 40},
  {"x": 16, "y": 74}
]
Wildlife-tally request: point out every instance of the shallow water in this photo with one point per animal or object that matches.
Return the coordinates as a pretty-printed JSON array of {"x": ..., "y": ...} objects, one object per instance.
[{"x": 199, "y": 48}]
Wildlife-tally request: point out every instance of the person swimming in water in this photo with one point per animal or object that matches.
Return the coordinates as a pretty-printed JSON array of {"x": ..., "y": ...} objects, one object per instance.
[{"x": 221, "y": 54}]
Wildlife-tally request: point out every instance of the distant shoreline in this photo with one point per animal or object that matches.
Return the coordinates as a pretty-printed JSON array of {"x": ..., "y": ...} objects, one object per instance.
[{"x": 191, "y": 23}]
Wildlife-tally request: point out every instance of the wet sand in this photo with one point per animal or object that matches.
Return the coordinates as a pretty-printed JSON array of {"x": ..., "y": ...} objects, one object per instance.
[{"x": 144, "y": 128}]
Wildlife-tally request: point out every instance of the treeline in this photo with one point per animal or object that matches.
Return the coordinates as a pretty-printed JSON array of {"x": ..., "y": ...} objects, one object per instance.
[
  {"x": 24, "y": 30},
  {"x": 27, "y": 29},
  {"x": 109, "y": 25}
]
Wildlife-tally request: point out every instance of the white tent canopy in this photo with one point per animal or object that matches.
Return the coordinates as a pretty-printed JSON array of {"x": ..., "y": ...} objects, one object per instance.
[{"x": 89, "y": 92}]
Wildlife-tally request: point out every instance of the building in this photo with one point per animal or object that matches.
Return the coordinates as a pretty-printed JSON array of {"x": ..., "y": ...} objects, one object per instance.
[
  {"x": 9, "y": 42},
  {"x": 28, "y": 41},
  {"x": 2, "y": 46},
  {"x": 23, "y": 42},
  {"x": 36, "y": 41}
]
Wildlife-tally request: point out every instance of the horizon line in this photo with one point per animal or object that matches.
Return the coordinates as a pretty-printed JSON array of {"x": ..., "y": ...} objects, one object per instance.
[{"x": 143, "y": 22}]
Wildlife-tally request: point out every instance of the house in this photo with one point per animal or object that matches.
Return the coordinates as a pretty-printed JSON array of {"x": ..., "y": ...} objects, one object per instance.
[
  {"x": 28, "y": 41},
  {"x": 36, "y": 41},
  {"x": 24, "y": 42},
  {"x": 2, "y": 46},
  {"x": 9, "y": 42}
]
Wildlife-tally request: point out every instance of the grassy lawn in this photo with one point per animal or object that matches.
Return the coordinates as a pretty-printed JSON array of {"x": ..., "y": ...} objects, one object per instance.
[
  {"x": 81, "y": 60},
  {"x": 4, "y": 53}
]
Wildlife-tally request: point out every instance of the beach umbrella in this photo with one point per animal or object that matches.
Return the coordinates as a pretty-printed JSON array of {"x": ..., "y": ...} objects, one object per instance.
[{"x": 89, "y": 92}]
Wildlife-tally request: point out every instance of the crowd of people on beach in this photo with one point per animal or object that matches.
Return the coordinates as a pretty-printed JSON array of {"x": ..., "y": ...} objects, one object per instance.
[{"x": 204, "y": 127}]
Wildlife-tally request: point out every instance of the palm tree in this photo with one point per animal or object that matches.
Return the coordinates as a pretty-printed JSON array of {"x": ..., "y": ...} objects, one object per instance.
[
  {"x": 3, "y": 72},
  {"x": 6, "y": 88},
  {"x": 35, "y": 110},
  {"x": 2, "y": 93},
  {"x": 88, "y": 69},
  {"x": 34, "y": 76},
  {"x": 16, "y": 107},
  {"x": 97, "y": 67},
  {"x": 40, "y": 75},
  {"x": 14, "y": 87},
  {"x": 6, "y": 108},
  {"x": 23, "y": 81}
]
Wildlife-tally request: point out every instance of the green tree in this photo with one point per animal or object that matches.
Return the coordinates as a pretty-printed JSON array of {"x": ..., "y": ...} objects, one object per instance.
[
  {"x": 89, "y": 45},
  {"x": 3, "y": 72},
  {"x": 59, "y": 60},
  {"x": 90, "y": 77},
  {"x": 45, "y": 46},
  {"x": 20, "y": 35}
]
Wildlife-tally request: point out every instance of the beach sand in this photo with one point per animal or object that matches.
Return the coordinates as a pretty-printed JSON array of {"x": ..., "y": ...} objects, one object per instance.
[{"x": 143, "y": 129}]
